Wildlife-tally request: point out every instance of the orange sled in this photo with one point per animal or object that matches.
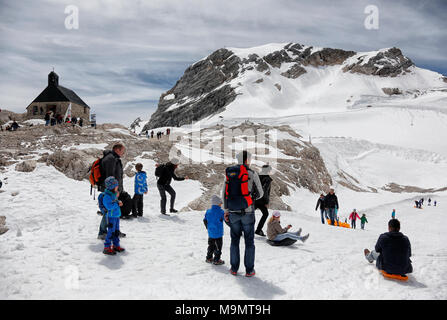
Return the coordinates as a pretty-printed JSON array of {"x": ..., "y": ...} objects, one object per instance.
[
  {"x": 394, "y": 276},
  {"x": 339, "y": 224}
]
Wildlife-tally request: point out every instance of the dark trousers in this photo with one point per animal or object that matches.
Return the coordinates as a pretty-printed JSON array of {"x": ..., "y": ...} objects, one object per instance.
[
  {"x": 353, "y": 223},
  {"x": 242, "y": 223},
  {"x": 127, "y": 206},
  {"x": 163, "y": 189},
  {"x": 265, "y": 214},
  {"x": 331, "y": 214},
  {"x": 137, "y": 205},
  {"x": 323, "y": 215},
  {"x": 214, "y": 248}
]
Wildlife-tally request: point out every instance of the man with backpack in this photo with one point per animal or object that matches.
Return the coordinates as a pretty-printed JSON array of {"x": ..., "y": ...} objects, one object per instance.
[
  {"x": 240, "y": 182},
  {"x": 165, "y": 173},
  {"x": 262, "y": 203},
  {"x": 111, "y": 166},
  {"x": 331, "y": 205}
]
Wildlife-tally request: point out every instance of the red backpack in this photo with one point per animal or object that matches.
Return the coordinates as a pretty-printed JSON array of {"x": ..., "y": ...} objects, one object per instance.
[{"x": 237, "y": 195}]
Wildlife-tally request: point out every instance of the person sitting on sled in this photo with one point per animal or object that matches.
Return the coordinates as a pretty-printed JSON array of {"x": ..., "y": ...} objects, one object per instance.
[
  {"x": 392, "y": 251},
  {"x": 276, "y": 233}
]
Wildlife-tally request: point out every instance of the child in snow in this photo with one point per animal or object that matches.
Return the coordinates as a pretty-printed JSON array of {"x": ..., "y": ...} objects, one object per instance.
[
  {"x": 393, "y": 214},
  {"x": 140, "y": 189},
  {"x": 353, "y": 217},
  {"x": 363, "y": 220},
  {"x": 112, "y": 205},
  {"x": 276, "y": 233},
  {"x": 214, "y": 224},
  {"x": 434, "y": 203}
]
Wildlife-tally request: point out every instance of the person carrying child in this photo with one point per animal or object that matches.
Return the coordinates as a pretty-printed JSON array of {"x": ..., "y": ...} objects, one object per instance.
[
  {"x": 363, "y": 220},
  {"x": 213, "y": 221},
  {"x": 353, "y": 217},
  {"x": 109, "y": 202},
  {"x": 140, "y": 191},
  {"x": 276, "y": 233}
]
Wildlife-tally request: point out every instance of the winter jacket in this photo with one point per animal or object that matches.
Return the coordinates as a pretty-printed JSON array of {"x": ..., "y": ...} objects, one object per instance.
[
  {"x": 168, "y": 174},
  {"x": 111, "y": 165},
  {"x": 363, "y": 219},
  {"x": 354, "y": 216},
  {"x": 331, "y": 201},
  {"x": 274, "y": 228},
  {"x": 266, "y": 182},
  {"x": 252, "y": 178},
  {"x": 214, "y": 222},
  {"x": 140, "y": 183},
  {"x": 110, "y": 202},
  {"x": 320, "y": 203},
  {"x": 395, "y": 253}
]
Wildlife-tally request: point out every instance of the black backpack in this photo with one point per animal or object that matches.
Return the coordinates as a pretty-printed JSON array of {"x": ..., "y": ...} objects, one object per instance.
[
  {"x": 237, "y": 195},
  {"x": 159, "y": 170}
]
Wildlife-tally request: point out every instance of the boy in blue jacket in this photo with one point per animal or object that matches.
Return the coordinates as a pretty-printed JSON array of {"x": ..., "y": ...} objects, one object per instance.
[
  {"x": 213, "y": 221},
  {"x": 140, "y": 189},
  {"x": 113, "y": 212}
]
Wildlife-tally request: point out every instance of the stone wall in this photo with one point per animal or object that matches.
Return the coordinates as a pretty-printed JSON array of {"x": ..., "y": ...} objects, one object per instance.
[{"x": 61, "y": 107}]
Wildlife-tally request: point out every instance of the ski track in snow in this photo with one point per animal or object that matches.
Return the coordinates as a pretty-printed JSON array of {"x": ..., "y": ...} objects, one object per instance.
[{"x": 53, "y": 229}]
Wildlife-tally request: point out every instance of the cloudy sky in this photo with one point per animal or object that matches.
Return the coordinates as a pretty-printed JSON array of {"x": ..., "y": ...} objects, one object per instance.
[{"x": 125, "y": 53}]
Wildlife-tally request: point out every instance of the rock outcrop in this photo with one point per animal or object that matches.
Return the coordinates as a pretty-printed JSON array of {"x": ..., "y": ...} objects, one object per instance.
[
  {"x": 3, "y": 228},
  {"x": 209, "y": 85},
  {"x": 26, "y": 166}
]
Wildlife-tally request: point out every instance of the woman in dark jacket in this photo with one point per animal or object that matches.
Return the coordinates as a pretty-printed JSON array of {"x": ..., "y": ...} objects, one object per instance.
[{"x": 262, "y": 203}]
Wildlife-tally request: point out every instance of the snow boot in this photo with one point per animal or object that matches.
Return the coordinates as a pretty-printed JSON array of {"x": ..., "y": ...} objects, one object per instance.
[
  {"x": 305, "y": 237},
  {"x": 118, "y": 249},
  {"x": 218, "y": 262},
  {"x": 234, "y": 273},
  {"x": 250, "y": 274},
  {"x": 299, "y": 232},
  {"x": 173, "y": 211},
  {"x": 260, "y": 233},
  {"x": 109, "y": 251},
  {"x": 209, "y": 260},
  {"x": 368, "y": 255},
  {"x": 165, "y": 214}
]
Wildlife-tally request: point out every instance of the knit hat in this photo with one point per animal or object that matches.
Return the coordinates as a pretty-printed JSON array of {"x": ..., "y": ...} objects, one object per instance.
[
  {"x": 276, "y": 214},
  {"x": 265, "y": 170},
  {"x": 111, "y": 183},
  {"x": 215, "y": 200},
  {"x": 175, "y": 161}
]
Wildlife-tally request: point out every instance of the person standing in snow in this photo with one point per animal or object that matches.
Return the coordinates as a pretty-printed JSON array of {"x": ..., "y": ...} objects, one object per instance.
[
  {"x": 331, "y": 205},
  {"x": 276, "y": 233},
  {"x": 239, "y": 184},
  {"x": 363, "y": 220},
  {"x": 213, "y": 221},
  {"x": 320, "y": 203},
  {"x": 434, "y": 203},
  {"x": 111, "y": 166},
  {"x": 393, "y": 214},
  {"x": 429, "y": 201},
  {"x": 392, "y": 251},
  {"x": 353, "y": 217},
  {"x": 165, "y": 174},
  {"x": 112, "y": 205},
  {"x": 140, "y": 190},
  {"x": 152, "y": 134},
  {"x": 262, "y": 203}
]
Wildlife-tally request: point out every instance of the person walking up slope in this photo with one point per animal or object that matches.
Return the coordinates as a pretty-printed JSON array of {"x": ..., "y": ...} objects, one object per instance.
[
  {"x": 112, "y": 205},
  {"x": 214, "y": 224},
  {"x": 353, "y": 217},
  {"x": 331, "y": 205},
  {"x": 393, "y": 214},
  {"x": 320, "y": 203},
  {"x": 363, "y": 220}
]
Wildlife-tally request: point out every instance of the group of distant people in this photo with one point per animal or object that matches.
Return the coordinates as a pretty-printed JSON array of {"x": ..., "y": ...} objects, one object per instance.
[
  {"x": 52, "y": 119},
  {"x": 159, "y": 134},
  {"x": 420, "y": 202}
]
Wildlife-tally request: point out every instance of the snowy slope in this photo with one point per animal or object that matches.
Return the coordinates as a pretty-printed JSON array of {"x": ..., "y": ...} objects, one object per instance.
[{"x": 52, "y": 240}]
